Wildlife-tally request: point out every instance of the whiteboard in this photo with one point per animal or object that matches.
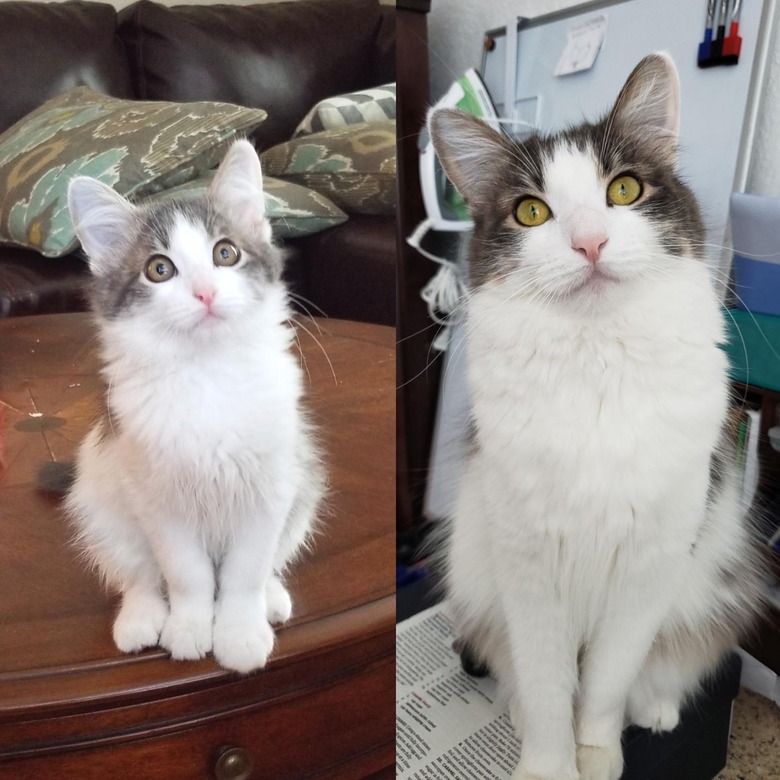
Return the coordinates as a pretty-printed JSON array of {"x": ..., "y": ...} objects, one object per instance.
[{"x": 719, "y": 104}]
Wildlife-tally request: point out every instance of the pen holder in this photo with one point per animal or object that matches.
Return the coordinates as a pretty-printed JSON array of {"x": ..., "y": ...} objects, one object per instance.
[{"x": 755, "y": 230}]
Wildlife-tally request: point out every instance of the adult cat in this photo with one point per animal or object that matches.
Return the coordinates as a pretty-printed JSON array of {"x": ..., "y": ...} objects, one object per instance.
[
  {"x": 201, "y": 480},
  {"x": 600, "y": 561}
]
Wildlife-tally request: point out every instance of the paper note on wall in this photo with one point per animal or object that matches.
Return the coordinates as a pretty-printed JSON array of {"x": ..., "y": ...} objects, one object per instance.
[{"x": 583, "y": 42}]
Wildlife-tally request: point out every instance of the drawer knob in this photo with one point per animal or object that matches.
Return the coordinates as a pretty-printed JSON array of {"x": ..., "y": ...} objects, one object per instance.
[{"x": 234, "y": 763}]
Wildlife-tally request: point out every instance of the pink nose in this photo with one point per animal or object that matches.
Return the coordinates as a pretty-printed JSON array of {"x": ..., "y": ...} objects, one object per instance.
[
  {"x": 205, "y": 296},
  {"x": 589, "y": 244}
]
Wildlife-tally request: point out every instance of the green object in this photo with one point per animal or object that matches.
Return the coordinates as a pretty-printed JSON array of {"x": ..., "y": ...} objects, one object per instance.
[
  {"x": 292, "y": 210},
  {"x": 353, "y": 166},
  {"x": 471, "y": 103},
  {"x": 753, "y": 348},
  {"x": 137, "y": 147}
]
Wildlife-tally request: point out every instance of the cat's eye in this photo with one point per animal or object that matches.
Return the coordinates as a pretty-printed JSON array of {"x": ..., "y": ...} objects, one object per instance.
[
  {"x": 624, "y": 190},
  {"x": 532, "y": 212},
  {"x": 160, "y": 269},
  {"x": 226, "y": 253}
]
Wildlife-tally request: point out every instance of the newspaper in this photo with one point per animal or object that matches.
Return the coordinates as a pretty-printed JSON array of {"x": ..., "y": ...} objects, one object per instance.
[{"x": 448, "y": 725}]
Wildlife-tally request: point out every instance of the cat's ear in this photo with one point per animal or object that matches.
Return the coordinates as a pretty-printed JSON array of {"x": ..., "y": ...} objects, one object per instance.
[
  {"x": 238, "y": 188},
  {"x": 649, "y": 103},
  {"x": 101, "y": 218},
  {"x": 469, "y": 151}
]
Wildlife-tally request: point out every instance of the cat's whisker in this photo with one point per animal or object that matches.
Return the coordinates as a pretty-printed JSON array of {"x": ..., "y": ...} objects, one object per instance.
[
  {"x": 301, "y": 354},
  {"x": 322, "y": 349},
  {"x": 308, "y": 316},
  {"x": 300, "y": 299}
]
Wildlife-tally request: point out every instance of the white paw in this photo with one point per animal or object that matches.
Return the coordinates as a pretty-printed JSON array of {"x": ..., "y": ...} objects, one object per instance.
[
  {"x": 139, "y": 622},
  {"x": 658, "y": 715},
  {"x": 604, "y": 762},
  {"x": 187, "y": 636},
  {"x": 243, "y": 645},
  {"x": 278, "y": 601}
]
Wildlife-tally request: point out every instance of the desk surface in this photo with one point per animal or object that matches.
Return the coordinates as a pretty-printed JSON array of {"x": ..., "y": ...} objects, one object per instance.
[{"x": 56, "y": 652}]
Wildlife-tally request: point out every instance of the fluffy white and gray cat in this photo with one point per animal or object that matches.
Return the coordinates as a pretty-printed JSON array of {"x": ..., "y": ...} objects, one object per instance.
[
  {"x": 600, "y": 562},
  {"x": 202, "y": 479}
]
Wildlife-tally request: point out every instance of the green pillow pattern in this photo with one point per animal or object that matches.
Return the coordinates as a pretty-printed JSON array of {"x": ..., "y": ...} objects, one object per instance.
[
  {"x": 292, "y": 210},
  {"x": 136, "y": 147},
  {"x": 369, "y": 105},
  {"x": 354, "y": 166}
]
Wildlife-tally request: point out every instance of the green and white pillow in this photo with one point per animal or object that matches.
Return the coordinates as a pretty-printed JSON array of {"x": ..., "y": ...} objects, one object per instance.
[
  {"x": 136, "y": 147},
  {"x": 354, "y": 166},
  {"x": 293, "y": 210},
  {"x": 368, "y": 105}
]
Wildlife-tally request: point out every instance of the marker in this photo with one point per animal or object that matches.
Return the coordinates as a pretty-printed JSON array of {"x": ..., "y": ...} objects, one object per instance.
[
  {"x": 733, "y": 44},
  {"x": 717, "y": 44},
  {"x": 705, "y": 47}
]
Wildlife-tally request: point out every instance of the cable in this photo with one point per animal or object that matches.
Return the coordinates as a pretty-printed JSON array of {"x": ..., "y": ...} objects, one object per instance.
[{"x": 445, "y": 290}]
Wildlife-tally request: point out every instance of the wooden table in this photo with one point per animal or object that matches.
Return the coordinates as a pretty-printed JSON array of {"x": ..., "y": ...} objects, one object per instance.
[{"x": 72, "y": 706}]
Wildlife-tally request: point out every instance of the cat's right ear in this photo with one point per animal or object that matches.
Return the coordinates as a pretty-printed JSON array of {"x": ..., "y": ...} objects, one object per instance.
[
  {"x": 101, "y": 218},
  {"x": 469, "y": 151}
]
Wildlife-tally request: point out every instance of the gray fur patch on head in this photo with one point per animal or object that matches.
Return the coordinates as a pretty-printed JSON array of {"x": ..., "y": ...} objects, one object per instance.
[
  {"x": 120, "y": 290},
  {"x": 637, "y": 137},
  {"x": 265, "y": 260}
]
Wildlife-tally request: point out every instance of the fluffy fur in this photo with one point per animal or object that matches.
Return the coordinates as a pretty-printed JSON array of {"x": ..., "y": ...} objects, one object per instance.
[
  {"x": 600, "y": 562},
  {"x": 201, "y": 481}
]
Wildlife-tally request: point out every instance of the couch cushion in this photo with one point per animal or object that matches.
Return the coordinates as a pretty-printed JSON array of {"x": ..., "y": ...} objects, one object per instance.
[
  {"x": 376, "y": 104},
  {"x": 49, "y": 48},
  {"x": 354, "y": 166},
  {"x": 134, "y": 146},
  {"x": 292, "y": 210},
  {"x": 283, "y": 57}
]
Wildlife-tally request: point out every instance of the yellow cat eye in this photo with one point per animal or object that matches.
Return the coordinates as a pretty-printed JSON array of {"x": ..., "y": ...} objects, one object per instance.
[
  {"x": 624, "y": 190},
  {"x": 532, "y": 212},
  {"x": 159, "y": 268},
  {"x": 226, "y": 253}
]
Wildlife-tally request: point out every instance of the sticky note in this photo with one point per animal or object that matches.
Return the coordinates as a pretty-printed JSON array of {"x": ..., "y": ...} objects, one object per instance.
[{"x": 583, "y": 42}]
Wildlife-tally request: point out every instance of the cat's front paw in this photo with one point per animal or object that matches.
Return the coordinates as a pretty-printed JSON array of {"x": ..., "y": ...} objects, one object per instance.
[
  {"x": 658, "y": 715},
  {"x": 278, "y": 601},
  {"x": 243, "y": 645},
  {"x": 187, "y": 636},
  {"x": 139, "y": 622},
  {"x": 600, "y": 762}
]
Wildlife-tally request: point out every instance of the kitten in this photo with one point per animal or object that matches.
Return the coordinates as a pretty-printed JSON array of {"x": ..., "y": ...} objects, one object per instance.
[
  {"x": 201, "y": 482},
  {"x": 600, "y": 562}
]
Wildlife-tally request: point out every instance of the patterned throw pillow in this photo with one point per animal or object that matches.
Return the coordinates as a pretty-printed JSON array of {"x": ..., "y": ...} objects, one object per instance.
[
  {"x": 134, "y": 146},
  {"x": 369, "y": 105},
  {"x": 293, "y": 210},
  {"x": 354, "y": 166}
]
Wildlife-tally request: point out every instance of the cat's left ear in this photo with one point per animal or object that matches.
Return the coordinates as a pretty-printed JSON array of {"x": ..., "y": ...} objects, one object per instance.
[
  {"x": 649, "y": 104},
  {"x": 102, "y": 220},
  {"x": 238, "y": 188}
]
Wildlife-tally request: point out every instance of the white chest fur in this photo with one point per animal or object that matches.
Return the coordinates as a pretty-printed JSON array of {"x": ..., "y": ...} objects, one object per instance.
[{"x": 605, "y": 418}]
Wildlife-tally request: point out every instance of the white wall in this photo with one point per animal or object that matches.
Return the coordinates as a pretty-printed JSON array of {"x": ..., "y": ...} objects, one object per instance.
[{"x": 455, "y": 36}]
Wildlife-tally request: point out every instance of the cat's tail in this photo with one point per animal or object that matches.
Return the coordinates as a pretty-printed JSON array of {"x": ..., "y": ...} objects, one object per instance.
[{"x": 56, "y": 477}]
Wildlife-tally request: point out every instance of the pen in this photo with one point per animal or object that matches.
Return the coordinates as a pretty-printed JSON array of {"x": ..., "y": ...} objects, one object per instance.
[
  {"x": 705, "y": 47},
  {"x": 733, "y": 44},
  {"x": 717, "y": 44}
]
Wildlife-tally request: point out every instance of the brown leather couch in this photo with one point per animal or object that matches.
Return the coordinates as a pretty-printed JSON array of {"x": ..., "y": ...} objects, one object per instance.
[{"x": 282, "y": 57}]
